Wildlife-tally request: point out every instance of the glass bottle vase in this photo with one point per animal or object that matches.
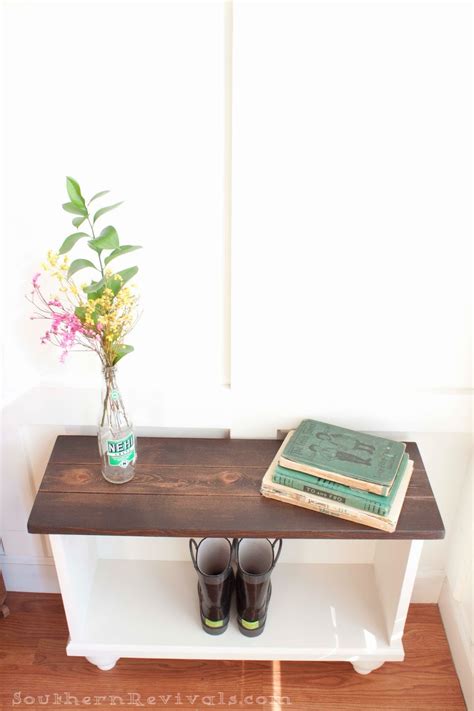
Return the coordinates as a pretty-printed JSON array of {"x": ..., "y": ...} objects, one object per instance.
[{"x": 117, "y": 445}]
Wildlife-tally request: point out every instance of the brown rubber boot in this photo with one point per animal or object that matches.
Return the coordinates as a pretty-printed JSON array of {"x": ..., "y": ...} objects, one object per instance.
[
  {"x": 256, "y": 559},
  {"x": 212, "y": 559}
]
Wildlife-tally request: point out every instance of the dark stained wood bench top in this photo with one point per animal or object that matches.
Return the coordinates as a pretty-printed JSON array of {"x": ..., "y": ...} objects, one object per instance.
[{"x": 199, "y": 487}]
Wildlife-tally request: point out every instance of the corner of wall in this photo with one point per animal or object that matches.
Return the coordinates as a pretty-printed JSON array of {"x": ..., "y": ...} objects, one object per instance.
[{"x": 457, "y": 632}]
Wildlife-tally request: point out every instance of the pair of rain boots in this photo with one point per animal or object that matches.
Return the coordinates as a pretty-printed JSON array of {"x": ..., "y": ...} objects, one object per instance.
[{"x": 254, "y": 560}]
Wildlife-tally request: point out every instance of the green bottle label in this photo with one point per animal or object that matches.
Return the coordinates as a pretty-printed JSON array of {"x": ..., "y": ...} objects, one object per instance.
[{"x": 121, "y": 451}]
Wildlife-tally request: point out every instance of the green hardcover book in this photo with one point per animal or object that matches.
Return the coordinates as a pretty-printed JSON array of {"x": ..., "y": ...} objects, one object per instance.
[
  {"x": 352, "y": 458},
  {"x": 363, "y": 500}
]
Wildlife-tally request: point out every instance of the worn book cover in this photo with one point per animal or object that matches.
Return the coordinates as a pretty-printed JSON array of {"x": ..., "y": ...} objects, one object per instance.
[
  {"x": 351, "y": 458},
  {"x": 316, "y": 503},
  {"x": 364, "y": 500}
]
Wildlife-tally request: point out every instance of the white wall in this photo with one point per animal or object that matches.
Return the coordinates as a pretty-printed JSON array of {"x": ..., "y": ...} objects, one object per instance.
[
  {"x": 127, "y": 97},
  {"x": 351, "y": 129},
  {"x": 457, "y": 596},
  {"x": 351, "y": 203}
]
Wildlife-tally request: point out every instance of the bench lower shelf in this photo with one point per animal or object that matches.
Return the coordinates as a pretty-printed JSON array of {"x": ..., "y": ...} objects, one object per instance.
[{"x": 149, "y": 609}]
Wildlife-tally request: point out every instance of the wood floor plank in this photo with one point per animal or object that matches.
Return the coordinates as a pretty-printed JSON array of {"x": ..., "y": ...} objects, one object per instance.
[{"x": 34, "y": 664}]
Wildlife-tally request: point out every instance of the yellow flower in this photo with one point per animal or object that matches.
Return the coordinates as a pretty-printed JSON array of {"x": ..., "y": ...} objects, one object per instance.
[{"x": 52, "y": 258}]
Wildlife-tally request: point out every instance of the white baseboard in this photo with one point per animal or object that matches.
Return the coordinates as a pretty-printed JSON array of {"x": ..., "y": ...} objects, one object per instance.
[
  {"x": 458, "y": 634},
  {"x": 29, "y": 574}
]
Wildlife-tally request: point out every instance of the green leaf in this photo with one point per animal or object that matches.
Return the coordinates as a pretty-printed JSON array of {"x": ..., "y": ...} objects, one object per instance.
[
  {"x": 77, "y": 221},
  {"x": 126, "y": 274},
  {"x": 108, "y": 239},
  {"x": 95, "y": 289},
  {"x": 78, "y": 264},
  {"x": 74, "y": 192},
  {"x": 119, "y": 251},
  {"x": 98, "y": 195},
  {"x": 75, "y": 209},
  {"x": 121, "y": 350},
  {"x": 103, "y": 210},
  {"x": 70, "y": 241},
  {"x": 80, "y": 312},
  {"x": 92, "y": 246}
]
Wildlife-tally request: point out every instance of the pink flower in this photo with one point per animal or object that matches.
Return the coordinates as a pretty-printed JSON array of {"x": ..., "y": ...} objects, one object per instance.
[{"x": 65, "y": 327}]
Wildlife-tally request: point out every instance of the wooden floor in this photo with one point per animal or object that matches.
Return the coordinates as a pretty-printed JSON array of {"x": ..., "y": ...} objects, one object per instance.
[{"x": 34, "y": 667}]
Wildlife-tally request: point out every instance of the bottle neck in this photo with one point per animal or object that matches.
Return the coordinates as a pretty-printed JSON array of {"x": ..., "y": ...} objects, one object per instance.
[{"x": 113, "y": 411}]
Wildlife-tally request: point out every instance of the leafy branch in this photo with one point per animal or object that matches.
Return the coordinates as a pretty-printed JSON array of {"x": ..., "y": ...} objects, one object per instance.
[{"x": 106, "y": 248}]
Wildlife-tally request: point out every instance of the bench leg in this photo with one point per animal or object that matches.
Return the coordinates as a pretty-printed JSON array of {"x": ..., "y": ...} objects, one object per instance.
[
  {"x": 363, "y": 667},
  {"x": 103, "y": 662}
]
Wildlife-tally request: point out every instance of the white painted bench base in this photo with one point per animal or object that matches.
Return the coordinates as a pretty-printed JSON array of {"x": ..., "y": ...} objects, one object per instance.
[{"x": 138, "y": 607}]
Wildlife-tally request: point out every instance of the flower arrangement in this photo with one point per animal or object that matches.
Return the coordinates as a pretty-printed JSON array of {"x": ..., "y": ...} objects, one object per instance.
[{"x": 93, "y": 315}]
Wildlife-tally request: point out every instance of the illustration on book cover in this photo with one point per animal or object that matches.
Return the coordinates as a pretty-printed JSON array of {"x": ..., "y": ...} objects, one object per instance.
[{"x": 343, "y": 447}]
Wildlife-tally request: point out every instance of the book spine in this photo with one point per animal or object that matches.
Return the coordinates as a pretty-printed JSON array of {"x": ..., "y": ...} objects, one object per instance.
[
  {"x": 338, "y": 512},
  {"x": 379, "y": 489},
  {"x": 346, "y": 499}
]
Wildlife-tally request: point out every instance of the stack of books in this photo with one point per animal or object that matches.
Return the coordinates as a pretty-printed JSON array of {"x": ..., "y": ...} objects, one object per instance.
[{"x": 341, "y": 472}]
